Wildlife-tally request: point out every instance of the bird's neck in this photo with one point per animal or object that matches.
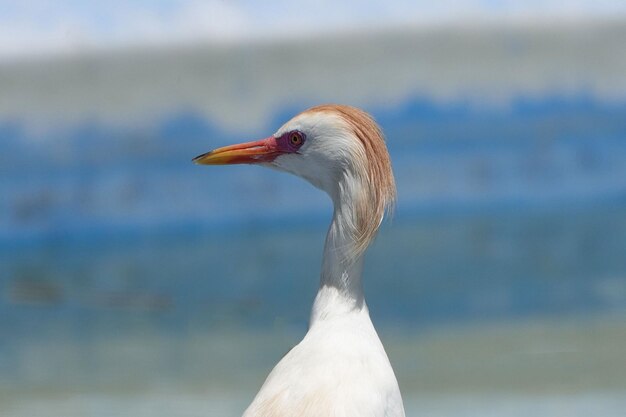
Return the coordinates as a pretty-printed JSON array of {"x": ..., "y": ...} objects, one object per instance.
[{"x": 340, "y": 292}]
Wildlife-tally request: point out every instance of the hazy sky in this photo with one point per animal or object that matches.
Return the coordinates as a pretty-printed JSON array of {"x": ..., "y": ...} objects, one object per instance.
[{"x": 54, "y": 26}]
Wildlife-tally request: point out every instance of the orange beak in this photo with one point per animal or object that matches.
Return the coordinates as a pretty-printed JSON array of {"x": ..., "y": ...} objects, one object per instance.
[{"x": 264, "y": 150}]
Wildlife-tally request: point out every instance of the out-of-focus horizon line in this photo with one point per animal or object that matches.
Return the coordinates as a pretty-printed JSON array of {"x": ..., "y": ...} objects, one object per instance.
[
  {"x": 241, "y": 88},
  {"x": 17, "y": 45}
]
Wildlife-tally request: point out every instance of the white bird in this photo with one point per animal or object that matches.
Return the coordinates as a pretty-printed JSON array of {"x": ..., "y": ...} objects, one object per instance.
[{"x": 340, "y": 368}]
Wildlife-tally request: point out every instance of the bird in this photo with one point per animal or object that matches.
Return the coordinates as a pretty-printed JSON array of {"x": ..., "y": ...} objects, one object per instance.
[{"x": 340, "y": 368}]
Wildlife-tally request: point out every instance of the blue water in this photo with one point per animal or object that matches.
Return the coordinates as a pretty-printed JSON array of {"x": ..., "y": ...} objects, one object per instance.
[
  {"x": 94, "y": 180},
  {"x": 516, "y": 211}
]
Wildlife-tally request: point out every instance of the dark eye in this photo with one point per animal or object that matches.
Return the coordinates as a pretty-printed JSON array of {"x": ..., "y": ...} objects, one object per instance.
[{"x": 295, "y": 138}]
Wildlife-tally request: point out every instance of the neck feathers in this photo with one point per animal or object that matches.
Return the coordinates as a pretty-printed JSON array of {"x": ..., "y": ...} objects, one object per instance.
[
  {"x": 365, "y": 192},
  {"x": 367, "y": 189}
]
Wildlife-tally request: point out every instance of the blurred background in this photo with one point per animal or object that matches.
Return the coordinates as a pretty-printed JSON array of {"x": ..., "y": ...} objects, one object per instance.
[{"x": 133, "y": 283}]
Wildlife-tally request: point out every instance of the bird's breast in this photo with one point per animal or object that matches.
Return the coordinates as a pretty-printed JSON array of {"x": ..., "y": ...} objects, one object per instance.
[{"x": 339, "y": 369}]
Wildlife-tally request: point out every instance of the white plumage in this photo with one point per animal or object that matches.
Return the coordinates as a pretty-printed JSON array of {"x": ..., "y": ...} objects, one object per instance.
[{"x": 340, "y": 368}]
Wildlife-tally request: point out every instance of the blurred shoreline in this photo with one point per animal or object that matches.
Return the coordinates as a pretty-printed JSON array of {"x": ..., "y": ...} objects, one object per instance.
[{"x": 240, "y": 86}]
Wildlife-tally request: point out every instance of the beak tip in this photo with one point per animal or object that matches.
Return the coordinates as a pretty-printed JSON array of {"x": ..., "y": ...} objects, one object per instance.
[{"x": 197, "y": 160}]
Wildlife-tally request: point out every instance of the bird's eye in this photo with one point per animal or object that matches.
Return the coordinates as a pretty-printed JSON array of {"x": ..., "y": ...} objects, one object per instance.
[{"x": 295, "y": 138}]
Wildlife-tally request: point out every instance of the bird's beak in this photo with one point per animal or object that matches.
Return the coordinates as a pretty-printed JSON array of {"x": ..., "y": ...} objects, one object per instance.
[{"x": 264, "y": 150}]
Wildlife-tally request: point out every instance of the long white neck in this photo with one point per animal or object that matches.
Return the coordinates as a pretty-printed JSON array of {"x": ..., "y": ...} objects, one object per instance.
[{"x": 340, "y": 290}]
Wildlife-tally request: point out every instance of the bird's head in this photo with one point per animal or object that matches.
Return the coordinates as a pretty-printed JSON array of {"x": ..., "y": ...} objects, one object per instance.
[{"x": 339, "y": 149}]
